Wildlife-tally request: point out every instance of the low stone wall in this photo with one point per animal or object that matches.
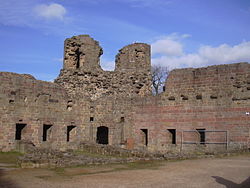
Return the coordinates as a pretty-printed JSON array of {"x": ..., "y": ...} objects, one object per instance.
[
  {"x": 47, "y": 158},
  {"x": 86, "y": 155},
  {"x": 89, "y": 154},
  {"x": 116, "y": 151}
]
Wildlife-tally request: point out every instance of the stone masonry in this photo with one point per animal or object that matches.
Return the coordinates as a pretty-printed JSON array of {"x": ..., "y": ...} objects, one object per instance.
[
  {"x": 82, "y": 74},
  {"x": 204, "y": 109}
]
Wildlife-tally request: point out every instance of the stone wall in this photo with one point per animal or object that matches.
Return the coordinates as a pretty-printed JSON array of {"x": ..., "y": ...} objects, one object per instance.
[
  {"x": 32, "y": 104},
  {"x": 222, "y": 85},
  {"x": 87, "y": 104},
  {"x": 212, "y": 98}
]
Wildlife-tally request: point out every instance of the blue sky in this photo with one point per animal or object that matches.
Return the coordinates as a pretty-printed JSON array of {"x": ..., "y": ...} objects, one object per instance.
[{"x": 183, "y": 33}]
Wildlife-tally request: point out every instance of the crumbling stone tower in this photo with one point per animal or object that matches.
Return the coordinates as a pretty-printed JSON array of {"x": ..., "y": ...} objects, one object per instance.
[
  {"x": 82, "y": 74},
  {"x": 82, "y": 52},
  {"x": 134, "y": 57}
]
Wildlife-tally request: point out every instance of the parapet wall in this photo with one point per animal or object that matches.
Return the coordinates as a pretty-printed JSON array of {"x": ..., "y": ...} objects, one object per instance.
[{"x": 225, "y": 84}]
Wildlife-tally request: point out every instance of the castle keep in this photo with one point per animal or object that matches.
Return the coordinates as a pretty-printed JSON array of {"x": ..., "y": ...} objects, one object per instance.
[{"x": 205, "y": 108}]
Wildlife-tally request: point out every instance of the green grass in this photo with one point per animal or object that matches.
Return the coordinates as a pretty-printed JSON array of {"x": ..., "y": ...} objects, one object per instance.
[{"x": 9, "y": 157}]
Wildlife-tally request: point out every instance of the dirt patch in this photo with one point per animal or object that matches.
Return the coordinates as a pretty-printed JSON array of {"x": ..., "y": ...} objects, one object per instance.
[{"x": 217, "y": 172}]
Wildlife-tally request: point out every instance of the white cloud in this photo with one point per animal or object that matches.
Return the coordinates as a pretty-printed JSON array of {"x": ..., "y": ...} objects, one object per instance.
[
  {"x": 52, "y": 11},
  {"x": 207, "y": 55},
  {"x": 167, "y": 46},
  {"x": 225, "y": 53},
  {"x": 170, "y": 45},
  {"x": 25, "y": 13}
]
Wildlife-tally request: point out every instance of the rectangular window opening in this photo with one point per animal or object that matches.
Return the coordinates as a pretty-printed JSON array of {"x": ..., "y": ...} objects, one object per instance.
[
  {"x": 11, "y": 101},
  {"x": 172, "y": 98},
  {"x": 19, "y": 128},
  {"x": 202, "y": 133},
  {"x": 69, "y": 129},
  {"x": 213, "y": 97},
  {"x": 122, "y": 119},
  {"x": 198, "y": 97},
  {"x": 46, "y": 132},
  {"x": 91, "y": 119},
  {"x": 145, "y": 136},
  {"x": 172, "y": 135}
]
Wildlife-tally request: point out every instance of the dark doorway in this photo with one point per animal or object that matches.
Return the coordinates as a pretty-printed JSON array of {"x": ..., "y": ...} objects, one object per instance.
[
  {"x": 19, "y": 128},
  {"x": 46, "y": 131},
  {"x": 69, "y": 129},
  {"x": 145, "y": 136},
  {"x": 172, "y": 135},
  {"x": 102, "y": 135},
  {"x": 202, "y": 135}
]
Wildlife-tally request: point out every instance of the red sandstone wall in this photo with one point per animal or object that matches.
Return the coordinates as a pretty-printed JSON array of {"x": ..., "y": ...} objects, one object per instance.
[
  {"x": 158, "y": 119},
  {"x": 229, "y": 86}
]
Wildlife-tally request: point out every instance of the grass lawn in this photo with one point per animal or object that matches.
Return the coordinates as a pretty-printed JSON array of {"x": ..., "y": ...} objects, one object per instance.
[{"x": 9, "y": 157}]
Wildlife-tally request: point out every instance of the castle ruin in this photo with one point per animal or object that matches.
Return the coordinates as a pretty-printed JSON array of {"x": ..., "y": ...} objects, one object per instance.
[{"x": 206, "y": 108}]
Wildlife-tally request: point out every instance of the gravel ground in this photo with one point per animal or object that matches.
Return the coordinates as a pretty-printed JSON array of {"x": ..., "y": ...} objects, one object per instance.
[{"x": 230, "y": 172}]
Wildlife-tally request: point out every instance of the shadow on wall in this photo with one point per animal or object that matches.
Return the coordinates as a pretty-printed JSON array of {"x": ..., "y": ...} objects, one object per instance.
[
  {"x": 5, "y": 183},
  {"x": 230, "y": 184}
]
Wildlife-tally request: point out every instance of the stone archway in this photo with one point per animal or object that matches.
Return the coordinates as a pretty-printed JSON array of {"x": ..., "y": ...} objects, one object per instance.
[{"x": 102, "y": 135}]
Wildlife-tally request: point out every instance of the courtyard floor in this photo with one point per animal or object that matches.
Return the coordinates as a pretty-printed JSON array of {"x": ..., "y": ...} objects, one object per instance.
[{"x": 230, "y": 172}]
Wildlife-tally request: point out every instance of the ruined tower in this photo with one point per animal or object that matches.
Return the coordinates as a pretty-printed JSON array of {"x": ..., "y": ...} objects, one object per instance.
[
  {"x": 134, "y": 57},
  {"x": 82, "y": 52},
  {"x": 82, "y": 74}
]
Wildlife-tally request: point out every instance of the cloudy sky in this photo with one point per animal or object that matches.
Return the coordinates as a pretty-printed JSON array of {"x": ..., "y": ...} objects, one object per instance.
[{"x": 182, "y": 33}]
